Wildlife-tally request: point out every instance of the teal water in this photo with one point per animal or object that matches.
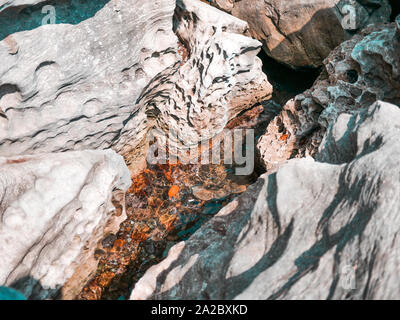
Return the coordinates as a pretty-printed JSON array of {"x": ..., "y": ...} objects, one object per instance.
[
  {"x": 10, "y": 294},
  {"x": 65, "y": 11}
]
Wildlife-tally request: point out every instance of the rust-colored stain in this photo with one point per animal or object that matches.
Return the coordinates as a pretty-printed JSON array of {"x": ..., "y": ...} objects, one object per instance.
[
  {"x": 141, "y": 233},
  {"x": 183, "y": 52},
  {"x": 11, "y": 161},
  {"x": 284, "y": 137},
  {"x": 118, "y": 244},
  {"x": 106, "y": 278},
  {"x": 173, "y": 192}
]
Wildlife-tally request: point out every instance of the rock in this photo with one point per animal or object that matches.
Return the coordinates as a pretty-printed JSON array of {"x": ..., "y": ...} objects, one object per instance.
[
  {"x": 205, "y": 194},
  {"x": 98, "y": 81},
  {"x": 82, "y": 87},
  {"x": 55, "y": 210},
  {"x": 279, "y": 142},
  {"x": 357, "y": 73},
  {"x": 17, "y": 4},
  {"x": 112, "y": 70},
  {"x": 311, "y": 230},
  {"x": 225, "y": 5},
  {"x": 303, "y": 33},
  {"x": 221, "y": 77}
]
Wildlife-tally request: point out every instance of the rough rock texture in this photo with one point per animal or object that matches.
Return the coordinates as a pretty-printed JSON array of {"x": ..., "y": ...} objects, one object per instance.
[
  {"x": 301, "y": 33},
  {"x": 357, "y": 73},
  {"x": 14, "y": 4},
  {"x": 311, "y": 230},
  {"x": 54, "y": 209},
  {"x": 68, "y": 86},
  {"x": 93, "y": 81},
  {"x": 7, "y": 4},
  {"x": 222, "y": 76}
]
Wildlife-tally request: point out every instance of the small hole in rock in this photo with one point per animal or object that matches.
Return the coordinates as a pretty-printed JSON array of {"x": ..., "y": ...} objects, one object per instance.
[{"x": 352, "y": 76}]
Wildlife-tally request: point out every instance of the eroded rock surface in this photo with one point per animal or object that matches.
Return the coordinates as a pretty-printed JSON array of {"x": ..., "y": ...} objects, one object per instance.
[
  {"x": 222, "y": 76},
  {"x": 67, "y": 87},
  {"x": 14, "y": 4},
  {"x": 55, "y": 208},
  {"x": 311, "y": 230},
  {"x": 357, "y": 73},
  {"x": 103, "y": 78},
  {"x": 301, "y": 33}
]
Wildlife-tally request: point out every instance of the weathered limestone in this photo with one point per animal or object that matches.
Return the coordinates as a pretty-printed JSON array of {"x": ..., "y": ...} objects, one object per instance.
[
  {"x": 72, "y": 87},
  {"x": 101, "y": 79},
  {"x": 55, "y": 208},
  {"x": 195, "y": 99},
  {"x": 94, "y": 84}
]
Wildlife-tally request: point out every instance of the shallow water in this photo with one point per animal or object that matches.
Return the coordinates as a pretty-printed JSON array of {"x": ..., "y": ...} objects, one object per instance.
[
  {"x": 166, "y": 204},
  {"x": 158, "y": 218}
]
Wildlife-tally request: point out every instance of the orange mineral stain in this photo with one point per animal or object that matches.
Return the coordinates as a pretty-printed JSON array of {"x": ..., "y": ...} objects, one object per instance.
[
  {"x": 173, "y": 192},
  {"x": 284, "y": 137},
  {"x": 118, "y": 244}
]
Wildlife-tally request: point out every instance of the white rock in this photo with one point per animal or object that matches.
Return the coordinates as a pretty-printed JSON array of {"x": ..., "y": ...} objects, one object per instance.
[
  {"x": 71, "y": 87},
  {"x": 54, "y": 210},
  {"x": 101, "y": 83}
]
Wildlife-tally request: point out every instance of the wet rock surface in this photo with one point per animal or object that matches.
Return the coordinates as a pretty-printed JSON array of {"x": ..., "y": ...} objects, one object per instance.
[
  {"x": 311, "y": 230},
  {"x": 158, "y": 218}
]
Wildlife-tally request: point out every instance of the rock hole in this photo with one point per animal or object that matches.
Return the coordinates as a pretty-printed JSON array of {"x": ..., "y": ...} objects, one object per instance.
[
  {"x": 287, "y": 82},
  {"x": 10, "y": 97},
  {"x": 352, "y": 76},
  {"x": 395, "y": 9}
]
